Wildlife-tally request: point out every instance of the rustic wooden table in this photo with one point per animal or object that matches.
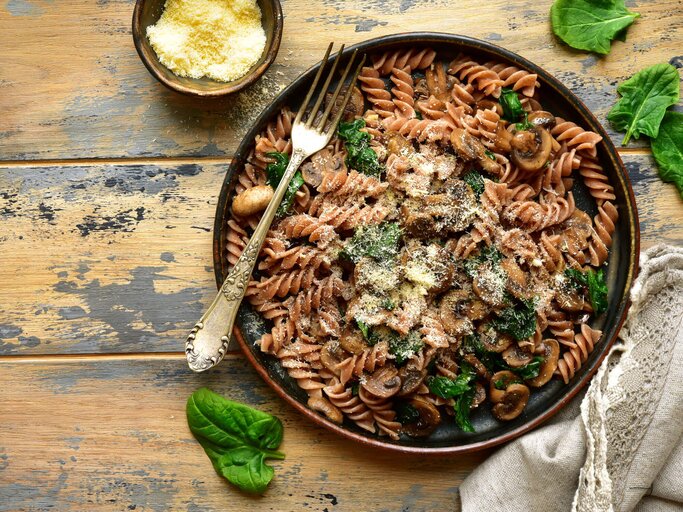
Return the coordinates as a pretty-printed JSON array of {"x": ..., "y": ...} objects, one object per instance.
[{"x": 108, "y": 184}]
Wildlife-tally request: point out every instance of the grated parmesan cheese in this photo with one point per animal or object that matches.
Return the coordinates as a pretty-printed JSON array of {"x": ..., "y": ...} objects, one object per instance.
[{"x": 219, "y": 39}]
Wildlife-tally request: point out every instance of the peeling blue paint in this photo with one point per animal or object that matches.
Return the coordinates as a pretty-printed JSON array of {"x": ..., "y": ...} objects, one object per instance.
[
  {"x": 167, "y": 257},
  {"x": 23, "y": 8},
  {"x": 71, "y": 312}
]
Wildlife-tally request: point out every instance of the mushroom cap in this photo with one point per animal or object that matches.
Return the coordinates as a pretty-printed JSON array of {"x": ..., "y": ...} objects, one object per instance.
[
  {"x": 516, "y": 282},
  {"x": 516, "y": 356},
  {"x": 542, "y": 118},
  {"x": 513, "y": 403},
  {"x": 569, "y": 298},
  {"x": 550, "y": 350},
  {"x": 506, "y": 377},
  {"x": 331, "y": 355},
  {"x": 320, "y": 404},
  {"x": 531, "y": 148},
  {"x": 384, "y": 382},
  {"x": 397, "y": 144},
  {"x": 478, "y": 366},
  {"x": 493, "y": 340},
  {"x": 479, "y": 395},
  {"x": 352, "y": 341},
  {"x": 252, "y": 200},
  {"x": 452, "y": 315},
  {"x": 429, "y": 419},
  {"x": 411, "y": 378}
]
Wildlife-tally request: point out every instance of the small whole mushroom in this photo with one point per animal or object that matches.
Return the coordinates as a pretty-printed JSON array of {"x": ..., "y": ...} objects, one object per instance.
[
  {"x": 252, "y": 200},
  {"x": 549, "y": 349},
  {"x": 542, "y": 118},
  {"x": 531, "y": 148},
  {"x": 352, "y": 341},
  {"x": 383, "y": 383},
  {"x": 512, "y": 403},
  {"x": 428, "y": 419},
  {"x": 499, "y": 382},
  {"x": 516, "y": 356},
  {"x": 320, "y": 404}
]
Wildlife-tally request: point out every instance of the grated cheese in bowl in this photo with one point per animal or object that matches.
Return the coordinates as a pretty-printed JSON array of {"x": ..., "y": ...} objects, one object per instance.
[{"x": 218, "y": 39}]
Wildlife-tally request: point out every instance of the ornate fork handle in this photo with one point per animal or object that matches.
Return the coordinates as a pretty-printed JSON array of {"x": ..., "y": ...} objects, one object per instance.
[{"x": 208, "y": 340}]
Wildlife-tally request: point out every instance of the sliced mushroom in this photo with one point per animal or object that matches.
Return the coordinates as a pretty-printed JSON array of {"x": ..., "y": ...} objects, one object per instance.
[
  {"x": 331, "y": 355},
  {"x": 411, "y": 378},
  {"x": 471, "y": 149},
  {"x": 503, "y": 138},
  {"x": 325, "y": 160},
  {"x": 513, "y": 402},
  {"x": 488, "y": 287},
  {"x": 499, "y": 383},
  {"x": 352, "y": 341},
  {"x": 383, "y": 383},
  {"x": 516, "y": 356},
  {"x": 428, "y": 420},
  {"x": 252, "y": 200},
  {"x": 433, "y": 261},
  {"x": 397, "y": 144},
  {"x": 531, "y": 148},
  {"x": 550, "y": 350},
  {"x": 570, "y": 298},
  {"x": 479, "y": 395},
  {"x": 478, "y": 366},
  {"x": 516, "y": 282},
  {"x": 476, "y": 310},
  {"x": 492, "y": 340},
  {"x": 354, "y": 108},
  {"x": 542, "y": 118},
  {"x": 320, "y": 404},
  {"x": 451, "y": 313}
]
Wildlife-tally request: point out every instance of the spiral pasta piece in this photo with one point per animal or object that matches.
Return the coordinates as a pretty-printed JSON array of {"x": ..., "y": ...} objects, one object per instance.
[{"x": 572, "y": 359}]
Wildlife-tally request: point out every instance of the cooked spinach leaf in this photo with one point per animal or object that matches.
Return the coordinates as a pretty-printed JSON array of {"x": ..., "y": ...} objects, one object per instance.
[
  {"x": 644, "y": 100},
  {"x": 237, "y": 438},
  {"x": 360, "y": 157},
  {"x": 370, "y": 336},
  {"x": 530, "y": 370},
  {"x": 274, "y": 173},
  {"x": 476, "y": 182},
  {"x": 462, "y": 410},
  {"x": 379, "y": 242},
  {"x": 595, "y": 283},
  {"x": 450, "y": 388},
  {"x": 518, "y": 320},
  {"x": 406, "y": 413},
  {"x": 402, "y": 347},
  {"x": 590, "y": 25},
  {"x": 488, "y": 254},
  {"x": 667, "y": 149},
  {"x": 512, "y": 107}
]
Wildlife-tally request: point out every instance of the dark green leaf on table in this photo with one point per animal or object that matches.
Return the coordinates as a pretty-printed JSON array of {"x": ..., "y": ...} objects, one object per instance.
[
  {"x": 644, "y": 100},
  {"x": 591, "y": 25},
  {"x": 360, "y": 155},
  {"x": 237, "y": 438},
  {"x": 274, "y": 173},
  {"x": 667, "y": 149}
]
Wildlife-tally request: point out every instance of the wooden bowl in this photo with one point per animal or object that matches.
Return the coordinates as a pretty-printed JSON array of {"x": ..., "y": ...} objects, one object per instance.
[
  {"x": 148, "y": 12},
  {"x": 621, "y": 269}
]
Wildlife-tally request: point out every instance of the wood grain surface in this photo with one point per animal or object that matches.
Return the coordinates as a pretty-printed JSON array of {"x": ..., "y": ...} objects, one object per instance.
[{"x": 108, "y": 186}]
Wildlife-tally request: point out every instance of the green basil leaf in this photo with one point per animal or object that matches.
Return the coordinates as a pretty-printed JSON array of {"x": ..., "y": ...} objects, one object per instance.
[
  {"x": 644, "y": 100},
  {"x": 236, "y": 438},
  {"x": 590, "y": 24},
  {"x": 667, "y": 149},
  {"x": 462, "y": 410}
]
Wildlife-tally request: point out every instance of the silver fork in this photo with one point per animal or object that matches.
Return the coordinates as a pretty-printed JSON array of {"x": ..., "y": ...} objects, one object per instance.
[{"x": 208, "y": 340}]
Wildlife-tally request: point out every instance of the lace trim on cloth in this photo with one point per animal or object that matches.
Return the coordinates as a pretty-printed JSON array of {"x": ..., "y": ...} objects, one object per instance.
[{"x": 620, "y": 410}]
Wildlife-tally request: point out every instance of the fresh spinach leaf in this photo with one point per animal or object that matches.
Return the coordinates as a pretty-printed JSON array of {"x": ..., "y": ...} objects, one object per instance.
[
  {"x": 667, "y": 149},
  {"x": 476, "y": 182},
  {"x": 462, "y": 410},
  {"x": 379, "y": 242},
  {"x": 518, "y": 320},
  {"x": 644, "y": 100},
  {"x": 360, "y": 155},
  {"x": 450, "y": 388},
  {"x": 237, "y": 438},
  {"x": 406, "y": 413},
  {"x": 595, "y": 283},
  {"x": 590, "y": 25},
  {"x": 512, "y": 107},
  {"x": 404, "y": 347},
  {"x": 274, "y": 173}
]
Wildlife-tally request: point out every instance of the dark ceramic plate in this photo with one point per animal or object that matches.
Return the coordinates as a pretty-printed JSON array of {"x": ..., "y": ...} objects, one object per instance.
[{"x": 622, "y": 265}]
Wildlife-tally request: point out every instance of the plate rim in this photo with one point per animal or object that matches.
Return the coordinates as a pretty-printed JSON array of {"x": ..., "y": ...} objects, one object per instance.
[{"x": 466, "y": 42}]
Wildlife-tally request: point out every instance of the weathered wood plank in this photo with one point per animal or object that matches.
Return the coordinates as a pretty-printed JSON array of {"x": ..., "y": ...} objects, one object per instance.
[
  {"x": 112, "y": 435},
  {"x": 119, "y": 259},
  {"x": 72, "y": 86}
]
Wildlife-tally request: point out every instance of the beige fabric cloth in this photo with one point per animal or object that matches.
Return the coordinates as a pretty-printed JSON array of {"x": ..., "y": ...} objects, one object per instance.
[{"x": 619, "y": 446}]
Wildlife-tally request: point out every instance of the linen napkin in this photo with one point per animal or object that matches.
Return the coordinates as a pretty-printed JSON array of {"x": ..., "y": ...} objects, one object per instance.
[{"x": 619, "y": 446}]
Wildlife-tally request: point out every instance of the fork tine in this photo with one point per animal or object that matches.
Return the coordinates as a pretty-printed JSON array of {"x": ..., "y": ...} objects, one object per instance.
[
  {"x": 340, "y": 85},
  {"x": 313, "y": 86},
  {"x": 323, "y": 90},
  {"x": 349, "y": 91}
]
